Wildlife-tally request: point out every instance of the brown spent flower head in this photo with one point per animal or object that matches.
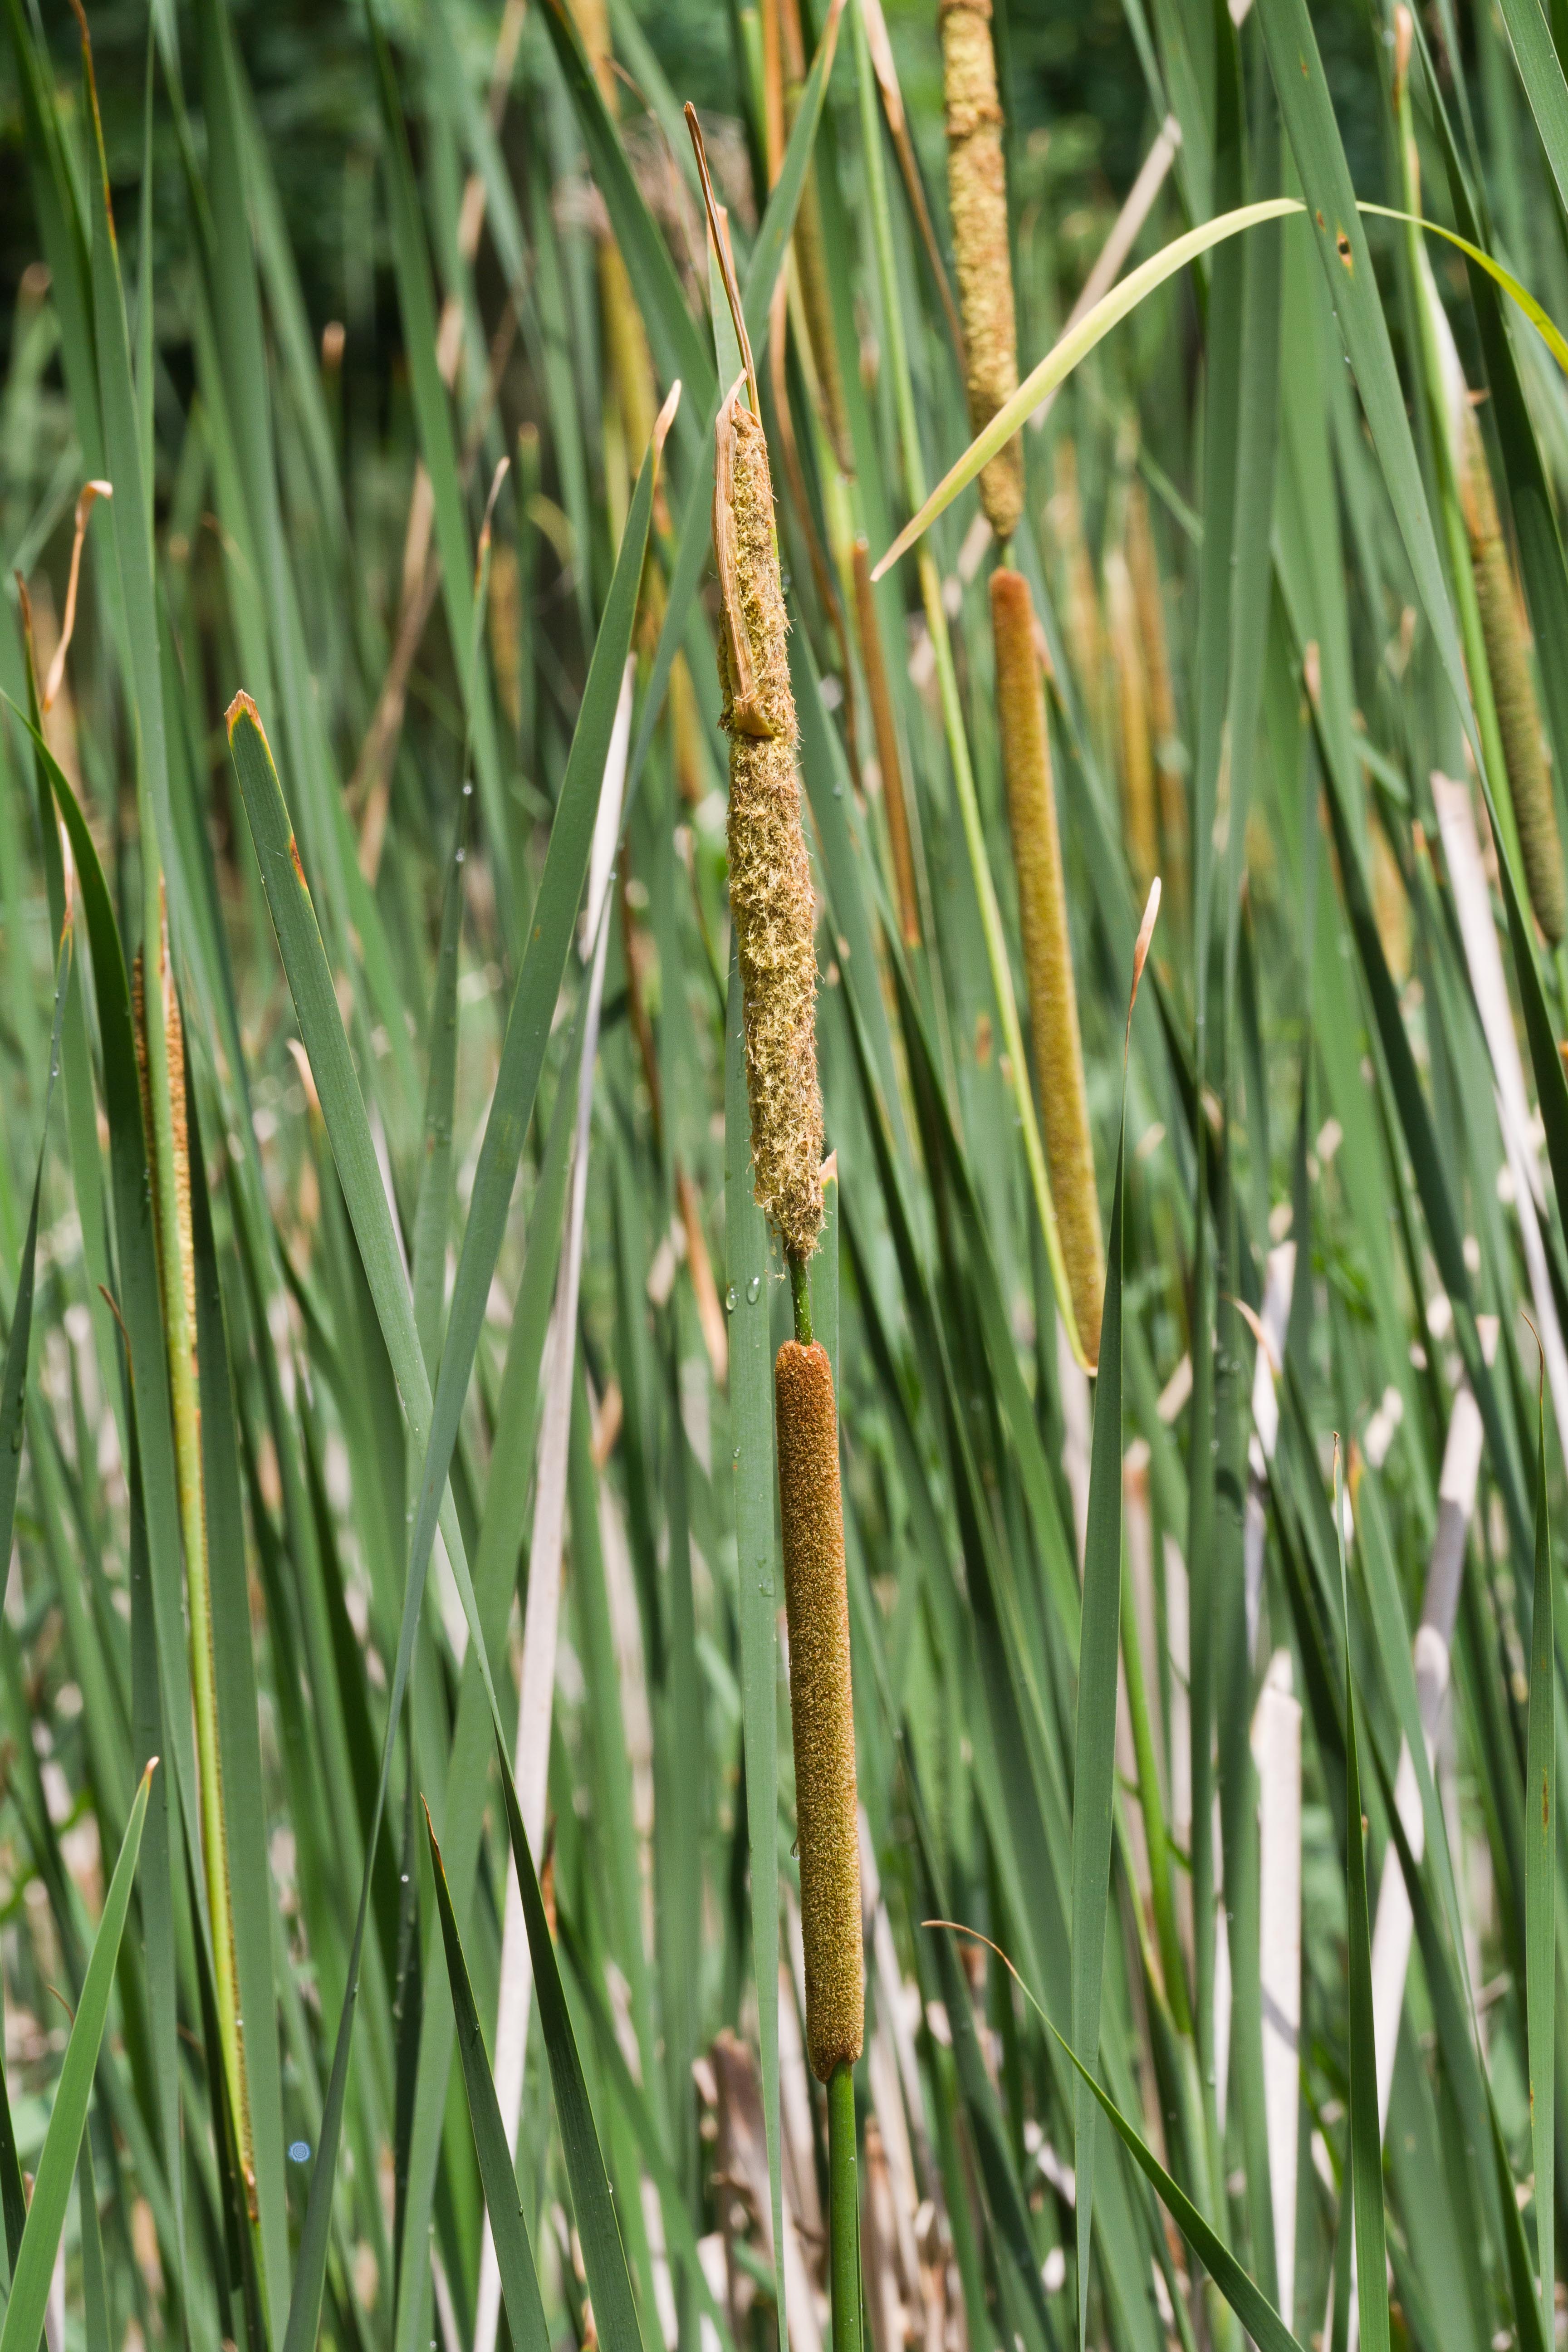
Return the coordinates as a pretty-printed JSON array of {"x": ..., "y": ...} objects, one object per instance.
[
  {"x": 978, "y": 196},
  {"x": 811, "y": 262},
  {"x": 1048, "y": 951},
  {"x": 1513, "y": 689},
  {"x": 822, "y": 1714},
  {"x": 771, "y": 896}
]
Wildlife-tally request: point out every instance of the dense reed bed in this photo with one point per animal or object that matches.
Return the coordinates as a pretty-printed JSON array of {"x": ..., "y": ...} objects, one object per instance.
[{"x": 771, "y": 1579}]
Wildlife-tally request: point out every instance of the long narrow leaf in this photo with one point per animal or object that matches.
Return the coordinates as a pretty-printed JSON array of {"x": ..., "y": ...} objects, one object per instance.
[
  {"x": 57, "y": 2165},
  {"x": 514, "y": 2255},
  {"x": 604, "y": 2255},
  {"x": 1541, "y": 1886}
]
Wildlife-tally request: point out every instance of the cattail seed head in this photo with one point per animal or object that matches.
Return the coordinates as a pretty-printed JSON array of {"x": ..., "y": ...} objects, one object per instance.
[
  {"x": 1132, "y": 712},
  {"x": 1085, "y": 630},
  {"x": 691, "y": 769},
  {"x": 811, "y": 256},
  {"x": 1143, "y": 565},
  {"x": 1513, "y": 689},
  {"x": 1048, "y": 950},
  {"x": 625, "y": 338},
  {"x": 810, "y": 246},
  {"x": 771, "y": 896},
  {"x": 890, "y": 760},
  {"x": 977, "y": 195},
  {"x": 822, "y": 1714}
]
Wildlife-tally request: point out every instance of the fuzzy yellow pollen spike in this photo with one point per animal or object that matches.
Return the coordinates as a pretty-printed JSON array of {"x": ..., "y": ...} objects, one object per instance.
[{"x": 1048, "y": 949}]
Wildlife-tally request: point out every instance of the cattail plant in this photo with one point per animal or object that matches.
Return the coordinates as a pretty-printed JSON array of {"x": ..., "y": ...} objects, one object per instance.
[
  {"x": 774, "y": 912},
  {"x": 1513, "y": 689},
  {"x": 162, "y": 1074},
  {"x": 1048, "y": 949},
  {"x": 625, "y": 337},
  {"x": 811, "y": 256},
  {"x": 159, "y": 1041},
  {"x": 1491, "y": 618},
  {"x": 977, "y": 195}
]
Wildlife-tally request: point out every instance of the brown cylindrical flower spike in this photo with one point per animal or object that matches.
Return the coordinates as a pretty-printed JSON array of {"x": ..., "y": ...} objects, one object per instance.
[
  {"x": 1132, "y": 712},
  {"x": 1048, "y": 950},
  {"x": 888, "y": 759},
  {"x": 1143, "y": 565},
  {"x": 811, "y": 255},
  {"x": 977, "y": 195},
  {"x": 821, "y": 1710}
]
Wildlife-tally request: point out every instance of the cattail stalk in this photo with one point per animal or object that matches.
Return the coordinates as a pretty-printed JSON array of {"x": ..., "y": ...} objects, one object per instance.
[
  {"x": 774, "y": 913},
  {"x": 978, "y": 196},
  {"x": 161, "y": 1067},
  {"x": 1513, "y": 688},
  {"x": 1048, "y": 950},
  {"x": 888, "y": 758}
]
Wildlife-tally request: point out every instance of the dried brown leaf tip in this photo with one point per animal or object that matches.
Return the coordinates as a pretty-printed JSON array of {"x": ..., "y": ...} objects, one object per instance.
[
  {"x": 978, "y": 196},
  {"x": 243, "y": 707},
  {"x": 771, "y": 896},
  {"x": 822, "y": 1713}
]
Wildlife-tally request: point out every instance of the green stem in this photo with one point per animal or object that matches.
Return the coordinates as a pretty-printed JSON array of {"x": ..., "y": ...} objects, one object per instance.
[
  {"x": 800, "y": 1295},
  {"x": 843, "y": 2209}
]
